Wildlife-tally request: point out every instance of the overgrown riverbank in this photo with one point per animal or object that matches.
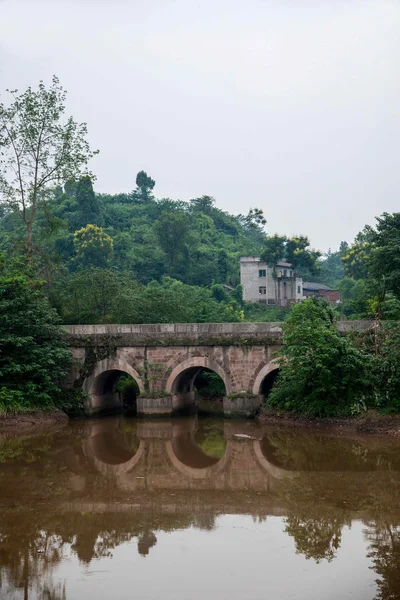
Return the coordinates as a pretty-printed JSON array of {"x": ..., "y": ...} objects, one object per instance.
[
  {"x": 23, "y": 421},
  {"x": 370, "y": 422}
]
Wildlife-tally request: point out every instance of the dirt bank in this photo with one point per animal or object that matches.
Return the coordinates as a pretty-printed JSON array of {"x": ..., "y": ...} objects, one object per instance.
[
  {"x": 370, "y": 422},
  {"x": 25, "y": 421}
]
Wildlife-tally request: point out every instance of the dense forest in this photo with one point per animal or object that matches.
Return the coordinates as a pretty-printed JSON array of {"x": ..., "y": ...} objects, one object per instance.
[{"x": 131, "y": 257}]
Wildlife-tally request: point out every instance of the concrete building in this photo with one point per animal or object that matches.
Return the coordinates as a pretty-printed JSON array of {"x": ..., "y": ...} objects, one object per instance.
[{"x": 270, "y": 285}]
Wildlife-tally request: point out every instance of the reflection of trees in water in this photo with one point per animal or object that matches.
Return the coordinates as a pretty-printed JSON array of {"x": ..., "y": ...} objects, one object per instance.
[
  {"x": 146, "y": 540},
  {"x": 316, "y": 513},
  {"x": 210, "y": 438},
  {"x": 28, "y": 557},
  {"x": 384, "y": 552},
  {"x": 308, "y": 451},
  {"x": 33, "y": 543},
  {"x": 317, "y": 538}
]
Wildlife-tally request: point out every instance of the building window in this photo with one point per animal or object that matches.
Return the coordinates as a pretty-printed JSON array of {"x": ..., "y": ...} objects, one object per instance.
[
  {"x": 262, "y": 290},
  {"x": 285, "y": 272},
  {"x": 262, "y": 272},
  {"x": 298, "y": 289}
]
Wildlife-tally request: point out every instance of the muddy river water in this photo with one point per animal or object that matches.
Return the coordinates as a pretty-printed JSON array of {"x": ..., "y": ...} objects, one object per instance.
[{"x": 198, "y": 509}]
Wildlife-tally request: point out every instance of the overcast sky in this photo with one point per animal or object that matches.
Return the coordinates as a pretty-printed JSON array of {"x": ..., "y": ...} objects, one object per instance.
[{"x": 288, "y": 105}]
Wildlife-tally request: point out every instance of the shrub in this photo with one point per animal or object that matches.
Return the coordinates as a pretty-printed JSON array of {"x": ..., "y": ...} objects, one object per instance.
[{"x": 321, "y": 373}]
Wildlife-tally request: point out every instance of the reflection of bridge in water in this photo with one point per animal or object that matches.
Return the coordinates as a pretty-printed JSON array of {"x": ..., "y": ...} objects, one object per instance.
[
  {"x": 168, "y": 457},
  {"x": 179, "y": 467}
]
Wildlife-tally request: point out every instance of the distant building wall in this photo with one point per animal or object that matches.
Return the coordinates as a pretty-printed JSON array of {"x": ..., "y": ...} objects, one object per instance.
[
  {"x": 260, "y": 285},
  {"x": 317, "y": 290},
  {"x": 332, "y": 296}
]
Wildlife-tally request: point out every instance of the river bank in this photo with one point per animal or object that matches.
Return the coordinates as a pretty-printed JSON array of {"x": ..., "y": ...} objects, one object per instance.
[
  {"x": 23, "y": 421},
  {"x": 369, "y": 423}
]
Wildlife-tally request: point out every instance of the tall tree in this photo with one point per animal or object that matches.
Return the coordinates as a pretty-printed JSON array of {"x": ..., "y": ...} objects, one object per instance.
[
  {"x": 172, "y": 230},
  {"x": 39, "y": 148},
  {"x": 144, "y": 187},
  {"x": 89, "y": 208},
  {"x": 93, "y": 246},
  {"x": 385, "y": 255}
]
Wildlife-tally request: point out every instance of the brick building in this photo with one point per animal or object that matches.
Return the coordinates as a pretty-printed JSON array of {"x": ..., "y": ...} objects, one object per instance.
[{"x": 319, "y": 290}]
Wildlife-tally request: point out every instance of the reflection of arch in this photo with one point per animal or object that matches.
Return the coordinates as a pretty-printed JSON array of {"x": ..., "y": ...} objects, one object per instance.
[
  {"x": 101, "y": 384},
  {"x": 195, "y": 364},
  {"x": 273, "y": 470},
  {"x": 109, "y": 457},
  {"x": 273, "y": 365},
  {"x": 197, "y": 464}
]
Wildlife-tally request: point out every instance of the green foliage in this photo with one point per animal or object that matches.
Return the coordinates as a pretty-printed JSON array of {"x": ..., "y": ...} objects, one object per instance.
[
  {"x": 385, "y": 257},
  {"x": 38, "y": 148},
  {"x": 93, "y": 246},
  {"x": 295, "y": 250},
  {"x": 373, "y": 262},
  {"x": 386, "y": 368},
  {"x": 210, "y": 385},
  {"x": 322, "y": 374},
  {"x": 71, "y": 402},
  {"x": 33, "y": 354},
  {"x": 88, "y": 205},
  {"x": 172, "y": 230},
  {"x": 144, "y": 187}
]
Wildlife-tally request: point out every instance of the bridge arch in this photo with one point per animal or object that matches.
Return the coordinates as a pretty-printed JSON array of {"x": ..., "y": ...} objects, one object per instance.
[
  {"x": 100, "y": 386},
  {"x": 182, "y": 377},
  {"x": 266, "y": 377}
]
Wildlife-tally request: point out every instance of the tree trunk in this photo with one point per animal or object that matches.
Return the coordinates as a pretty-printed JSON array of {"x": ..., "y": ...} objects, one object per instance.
[{"x": 29, "y": 241}]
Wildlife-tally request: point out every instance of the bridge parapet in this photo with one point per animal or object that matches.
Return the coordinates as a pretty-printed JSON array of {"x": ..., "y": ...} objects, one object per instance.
[{"x": 195, "y": 333}]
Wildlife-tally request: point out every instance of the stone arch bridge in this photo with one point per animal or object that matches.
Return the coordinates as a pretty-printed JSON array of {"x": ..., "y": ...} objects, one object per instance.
[{"x": 165, "y": 359}]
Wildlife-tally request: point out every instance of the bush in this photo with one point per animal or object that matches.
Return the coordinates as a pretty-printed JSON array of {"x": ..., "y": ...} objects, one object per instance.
[
  {"x": 321, "y": 373},
  {"x": 34, "y": 356}
]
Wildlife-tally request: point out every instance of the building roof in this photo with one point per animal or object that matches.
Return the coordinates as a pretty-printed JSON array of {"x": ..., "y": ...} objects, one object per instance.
[
  {"x": 315, "y": 287},
  {"x": 280, "y": 263}
]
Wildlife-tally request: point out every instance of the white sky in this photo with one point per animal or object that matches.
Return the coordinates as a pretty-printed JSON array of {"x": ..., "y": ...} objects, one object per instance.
[{"x": 288, "y": 105}]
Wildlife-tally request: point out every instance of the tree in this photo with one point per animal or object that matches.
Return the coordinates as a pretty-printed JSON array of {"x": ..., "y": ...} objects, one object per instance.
[
  {"x": 385, "y": 256},
  {"x": 295, "y": 251},
  {"x": 144, "y": 187},
  {"x": 89, "y": 209},
  {"x": 204, "y": 204},
  {"x": 33, "y": 353},
  {"x": 172, "y": 230},
  {"x": 88, "y": 295},
  {"x": 39, "y": 148},
  {"x": 255, "y": 218},
  {"x": 93, "y": 246},
  {"x": 321, "y": 373},
  {"x": 300, "y": 255},
  {"x": 274, "y": 249}
]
